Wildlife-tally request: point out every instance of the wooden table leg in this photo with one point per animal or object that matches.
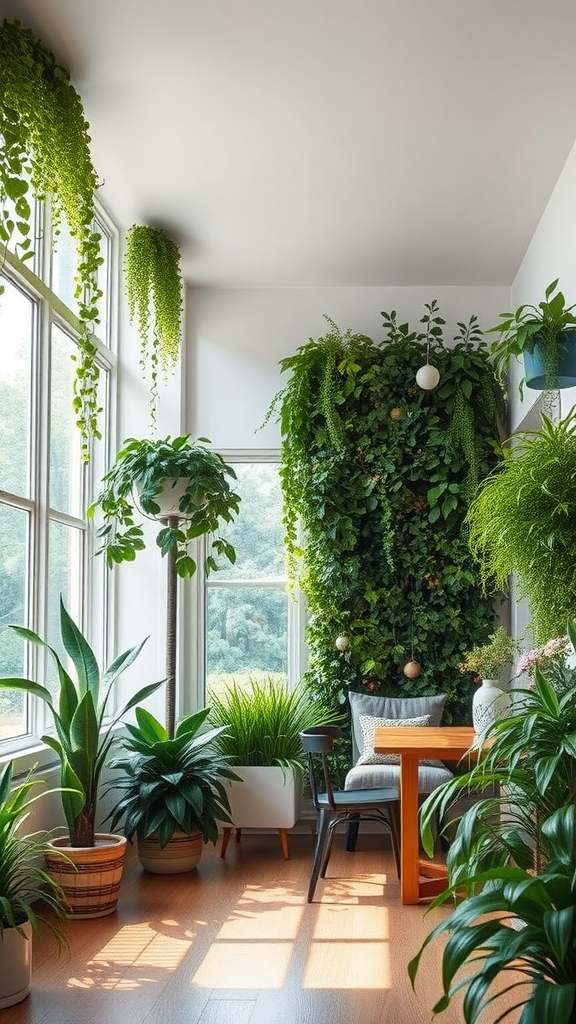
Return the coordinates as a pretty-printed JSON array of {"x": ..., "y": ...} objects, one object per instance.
[{"x": 409, "y": 834}]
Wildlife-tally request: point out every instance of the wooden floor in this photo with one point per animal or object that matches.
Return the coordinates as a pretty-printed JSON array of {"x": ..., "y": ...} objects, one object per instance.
[{"x": 234, "y": 942}]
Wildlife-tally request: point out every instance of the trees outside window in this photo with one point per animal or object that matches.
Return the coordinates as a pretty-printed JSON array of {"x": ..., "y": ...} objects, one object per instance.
[{"x": 250, "y": 616}]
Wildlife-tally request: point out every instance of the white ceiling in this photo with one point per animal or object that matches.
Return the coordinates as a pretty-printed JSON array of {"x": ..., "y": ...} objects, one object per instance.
[{"x": 325, "y": 142}]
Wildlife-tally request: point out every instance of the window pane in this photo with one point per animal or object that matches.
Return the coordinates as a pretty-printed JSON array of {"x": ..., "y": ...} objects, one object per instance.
[
  {"x": 64, "y": 577},
  {"x": 17, "y": 314},
  {"x": 102, "y": 329},
  {"x": 13, "y": 564},
  {"x": 257, "y": 532},
  {"x": 246, "y": 633},
  {"x": 65, "y": 446},
  {"x": 64, "y": 264}
]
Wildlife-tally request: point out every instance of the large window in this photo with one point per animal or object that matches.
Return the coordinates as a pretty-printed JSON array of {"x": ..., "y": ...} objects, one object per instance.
[
  {"x": 44, "y": 543},
  {"x": 250, "y": 618}
]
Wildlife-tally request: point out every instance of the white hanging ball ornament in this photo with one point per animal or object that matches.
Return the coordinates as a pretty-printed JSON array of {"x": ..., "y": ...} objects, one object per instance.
[
  {"x": 427, "y": 377},
  {"x": 412, "y": 669},
  {"x": 342, "y": 643}
]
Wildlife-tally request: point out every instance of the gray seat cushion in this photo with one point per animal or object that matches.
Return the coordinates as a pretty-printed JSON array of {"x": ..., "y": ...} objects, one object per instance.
[{"x": 370, "y": 776}]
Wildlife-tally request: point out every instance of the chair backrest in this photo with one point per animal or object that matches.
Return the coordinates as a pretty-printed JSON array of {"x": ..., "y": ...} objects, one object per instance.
[{"x": 318, "y": 742}]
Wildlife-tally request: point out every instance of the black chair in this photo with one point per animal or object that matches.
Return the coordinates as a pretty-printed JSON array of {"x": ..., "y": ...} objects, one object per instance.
[{"x": 335, "y": 806}]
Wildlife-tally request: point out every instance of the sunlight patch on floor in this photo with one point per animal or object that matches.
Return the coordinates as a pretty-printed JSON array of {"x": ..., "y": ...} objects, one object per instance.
[
  {"x": 260, "y": 965},
  {"x": 347, "y": 965}
]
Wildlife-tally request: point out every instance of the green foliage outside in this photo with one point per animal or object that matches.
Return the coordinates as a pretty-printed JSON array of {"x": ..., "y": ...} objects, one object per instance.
[{"x": 379, "y": 474}]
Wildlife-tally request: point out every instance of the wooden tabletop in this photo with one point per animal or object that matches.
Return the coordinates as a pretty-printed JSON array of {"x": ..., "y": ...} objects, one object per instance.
[{"x": 447, "y": 742}]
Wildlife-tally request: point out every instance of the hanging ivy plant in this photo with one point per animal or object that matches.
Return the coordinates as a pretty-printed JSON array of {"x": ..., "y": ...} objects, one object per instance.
[
  {"x": 154, "y": 292},
  {"x": 45, "y": 154},
  {"x": 377, "y": 476}
]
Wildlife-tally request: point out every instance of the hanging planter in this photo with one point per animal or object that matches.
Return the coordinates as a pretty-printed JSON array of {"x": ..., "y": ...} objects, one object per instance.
[
  {"x": 45, "y": 154},
  {"x": 154, "y": 292},
  {"x": 563, "y": 374}
]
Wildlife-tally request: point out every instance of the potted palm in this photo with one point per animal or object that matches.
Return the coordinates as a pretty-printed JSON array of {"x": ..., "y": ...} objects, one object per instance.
[
  {"x": 87, "y": 864},
  {"x": 186, "y": 487},
  {"x": 545, "y": 336},
  {"x": 23, "y": 885},
  {"x": 514, "y": 854},
  {"x": 521, "y": 522},
  {"x": 263, "y": 721},
  {"x": 171, "y": 793}
]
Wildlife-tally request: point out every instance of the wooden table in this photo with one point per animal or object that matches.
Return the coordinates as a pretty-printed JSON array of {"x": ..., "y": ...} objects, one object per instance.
[{"x": 419, "y": 878}]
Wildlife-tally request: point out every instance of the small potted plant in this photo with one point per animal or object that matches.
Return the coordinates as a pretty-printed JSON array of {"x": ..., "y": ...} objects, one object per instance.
[
  {"x": 171, "y": 791},
  {"x": 263, "y": 721},
  {"x": 488, "y": 662},
  {"x": 545, "y": 336},
  {"x": 24, "y": 886},
  {"x": 84, "y": 731}
]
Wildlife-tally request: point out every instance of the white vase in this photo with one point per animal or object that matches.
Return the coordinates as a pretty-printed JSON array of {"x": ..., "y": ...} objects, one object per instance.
[{"x": 489, "y": 703}]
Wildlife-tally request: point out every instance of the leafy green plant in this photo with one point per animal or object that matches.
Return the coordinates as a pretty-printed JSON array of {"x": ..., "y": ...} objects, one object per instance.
[
  {"x": 45, "y": 153},
  {"x": 154, "y": 292},
  {"x": 541, "y": 954},
  {"x": 263, "y": 721},
  {"x": 522, "y": 521},
  {"x": 376, "y": 476},
  {"x": 84, "y": 732},
  {"x": 170, "y": 785},
  {"x": 544, "y": 325},
  {"x": 23, "y": 883},
  {"x": 489, "y": 660},
  {"x": 514, "y": 856},
  {"x": 150, "y": 466}
]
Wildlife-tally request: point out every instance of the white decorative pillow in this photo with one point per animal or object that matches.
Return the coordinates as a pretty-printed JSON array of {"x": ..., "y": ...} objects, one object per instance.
[{"x": 369, "y": 724}]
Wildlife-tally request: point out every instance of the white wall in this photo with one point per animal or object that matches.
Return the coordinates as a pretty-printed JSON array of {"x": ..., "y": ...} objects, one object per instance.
[
  {"x": 550, "y": 255},
  {"x": 236, "y": 339}
]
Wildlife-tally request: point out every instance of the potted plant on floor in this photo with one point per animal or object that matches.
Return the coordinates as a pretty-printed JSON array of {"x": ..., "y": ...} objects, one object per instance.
[
  {"x": 171, "y": 790},
  {"x": 263, "y": 721},
  {"x": 86, "y": 864},
  {"x": 187, "y": 488},
  {"x": 521, "y": 522},
  {"x": 23, "y": 886},
  {"x": 545, "y": 336},
  {"x": 514, "y": 855}
]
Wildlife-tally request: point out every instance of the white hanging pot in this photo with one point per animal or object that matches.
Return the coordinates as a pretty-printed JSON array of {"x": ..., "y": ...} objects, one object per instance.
[
  {"x": 169, "y": 499},
  {"x": 489, "y": 703},
  {"x": 427, "y": 377}
]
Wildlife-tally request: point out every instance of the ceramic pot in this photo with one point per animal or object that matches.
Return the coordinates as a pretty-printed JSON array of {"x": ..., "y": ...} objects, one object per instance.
[
  {"x": 489, "y": 703},
  {"x": 535, "y": 371},
  {"x": 15, "y": 965},
  {"x": 181, "y": 853}
]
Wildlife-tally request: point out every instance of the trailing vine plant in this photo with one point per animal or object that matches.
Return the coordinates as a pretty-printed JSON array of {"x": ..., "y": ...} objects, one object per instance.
[
  {"x": 45, "y": 154},
  {"x": 377, "y": 476},
  {"x": 154, "y": 292}
]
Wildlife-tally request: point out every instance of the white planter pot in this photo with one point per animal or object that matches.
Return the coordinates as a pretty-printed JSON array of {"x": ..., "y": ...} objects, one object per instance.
[
  {"x": 169, "y": 499},
  {"x": 489, "y": 703},
  {"x": 15, "y": 965},
  {"x": 268, "y": 797}
]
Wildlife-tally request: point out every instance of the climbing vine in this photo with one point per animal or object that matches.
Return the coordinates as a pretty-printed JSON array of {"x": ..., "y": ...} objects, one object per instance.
[{"x": 377, "y": 476}]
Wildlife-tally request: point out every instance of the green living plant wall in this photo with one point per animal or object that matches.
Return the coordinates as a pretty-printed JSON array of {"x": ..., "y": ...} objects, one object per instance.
[{"x": 377, "y": 476}]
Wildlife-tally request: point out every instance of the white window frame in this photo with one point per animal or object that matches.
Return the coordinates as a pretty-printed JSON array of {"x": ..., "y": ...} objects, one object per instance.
[
  {"x": 296, "y": 647},
  {"x": 96, "y": 614}
]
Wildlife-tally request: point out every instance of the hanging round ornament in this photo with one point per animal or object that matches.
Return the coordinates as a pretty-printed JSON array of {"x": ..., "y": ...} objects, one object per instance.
[
  {"x": 342, "y": 643},
  {"x": 427, "y": 377},
  {"x": 412, "y": 669}
]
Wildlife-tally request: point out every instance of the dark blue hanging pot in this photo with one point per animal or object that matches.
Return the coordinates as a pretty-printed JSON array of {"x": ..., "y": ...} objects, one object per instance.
[{"x": 535, "y": 371}]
